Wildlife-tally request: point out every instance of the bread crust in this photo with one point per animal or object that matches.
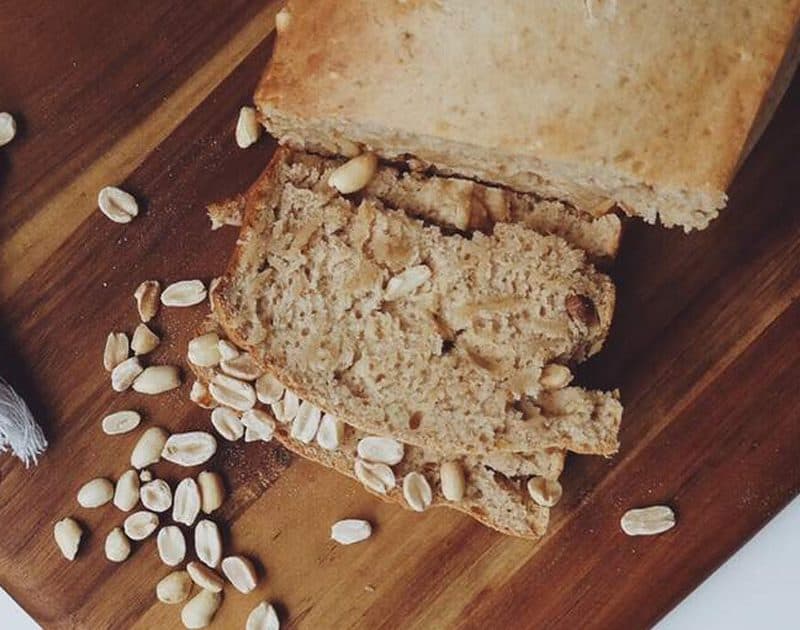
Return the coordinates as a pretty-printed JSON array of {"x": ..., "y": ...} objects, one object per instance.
[{"x": 649, "y": 104}]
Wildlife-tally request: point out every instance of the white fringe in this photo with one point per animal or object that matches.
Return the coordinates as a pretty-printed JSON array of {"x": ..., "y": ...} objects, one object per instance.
[{"x": 18, "y": 429}]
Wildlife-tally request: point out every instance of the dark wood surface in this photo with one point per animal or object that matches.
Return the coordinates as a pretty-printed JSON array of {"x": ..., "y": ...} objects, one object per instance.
[{"x": 705, "y": 348}]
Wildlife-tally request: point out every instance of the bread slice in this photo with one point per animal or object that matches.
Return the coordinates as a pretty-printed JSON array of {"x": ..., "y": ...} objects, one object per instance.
[
  {"x": 495, "y": 493},
  {"x": 318, "y": 289},
  {"x": 460, "y": 204},
  {"x": 649, "y": 105}
]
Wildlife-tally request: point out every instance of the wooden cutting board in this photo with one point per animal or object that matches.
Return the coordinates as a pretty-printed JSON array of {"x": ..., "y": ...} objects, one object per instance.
[{"x": 705, "y": 348}]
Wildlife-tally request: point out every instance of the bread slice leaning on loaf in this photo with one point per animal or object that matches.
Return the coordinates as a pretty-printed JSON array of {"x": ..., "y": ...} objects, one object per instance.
[
  {"x": 493, "y": 497},
  {"x": 649, "y": 105},
  {"x": 460, "y": 204},
  {"x": 402, "y": 330}
]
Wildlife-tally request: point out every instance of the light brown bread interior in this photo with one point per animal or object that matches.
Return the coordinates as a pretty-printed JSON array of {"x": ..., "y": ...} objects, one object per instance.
[{"x": 453, "y": 365}]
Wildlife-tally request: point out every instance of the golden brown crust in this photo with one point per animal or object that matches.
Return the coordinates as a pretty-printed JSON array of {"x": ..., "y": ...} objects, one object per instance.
[{"x": 646, "y": 103}]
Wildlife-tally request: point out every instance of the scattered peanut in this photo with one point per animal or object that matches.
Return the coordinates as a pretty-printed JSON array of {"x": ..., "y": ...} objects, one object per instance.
[
  {"x": 148, "y": 449},
  {"x": 156, "y": 495},
  {"x": 189, "y": 449},
  {"x": 263, "y": 617},
  {"x": 417, "y": 491},
  {"x": 240, "y": 572},
  {"x": 147, "y": 297},
  {"x": 204, "y": 577},
  {"x": 174, "y": 588},
  {"x": 187, "y": 502},
  {"x": 140, "y": 525},
  {"x": 212, "y": 491},
  {"x": 228, "y": 423},
  {"x": 184, "y": 293},
  {"x": 376, "y": 477},
  {"x": 117, "y": 546},
  {"x": 351, "y": 530},
  {"x": 648, "y": 521},
  {"x": 171, "y": 545},
  {"x": 124, "y": 374},
  {"x": 157, "y": 379},
  {"x": 95, "y": 493},
  {"x": 126, "y": 493},
  {"x": 144, "y": 340},
  {"x": 200, "y": 610},
  {"x": 8, "y": 128},
  {"x": 116, "y": 350},
  {"x": 248, "y": 129},
  {"x": 117, "y": 205},
  {"x": 208, "y": 543},
  {"x": 204, "y": 351},
  {"x": 120, "y": 422},
  {"x": 67, "y": 534}
]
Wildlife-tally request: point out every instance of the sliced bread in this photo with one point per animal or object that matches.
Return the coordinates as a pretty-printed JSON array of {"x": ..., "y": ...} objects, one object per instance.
[
  {"x": 650, "y": 105},
  {"x": 457, "y": 203},
  {"x": 400, "y": 329},
  {"x": 495, "y": 498}
]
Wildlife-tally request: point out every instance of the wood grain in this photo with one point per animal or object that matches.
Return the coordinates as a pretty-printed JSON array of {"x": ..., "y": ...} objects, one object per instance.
[{"x": 704, "y": 348}]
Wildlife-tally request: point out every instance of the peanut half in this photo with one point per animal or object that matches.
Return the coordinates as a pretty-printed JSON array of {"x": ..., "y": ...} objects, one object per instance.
[
  {"x": 377, "y": 477},
  {"x": 171, "y": 545},
  {"x": 147, "y": 296},
  {"x": 187, "y": 503},
  {"x": 117, "y": 546},
  {"x": 189, "y": 449},
  {"x": 350, "y": 530},
  {"x": 263, "y": 617},
  {"x": 120, "y": 422},
  {"x": 148, "y": 449},
  {"x": 648, "y": 521},
  {"x": 117, "y": 205},
  {"x": 174, "y": 588},
  {"x": 212, "y": 491},
  {"x": 380, "y": 450},
  {"x": 241, "y": 573},
  {"x": 200, "y": 610},
  {"x": 68, "y": 534},
  {"x": 417, "y": 491},
  {"x": 208, "y": 543}
]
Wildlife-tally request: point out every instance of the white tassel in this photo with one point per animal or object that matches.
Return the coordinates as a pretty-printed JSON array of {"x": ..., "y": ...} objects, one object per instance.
[{"x": 18, "y": 430}]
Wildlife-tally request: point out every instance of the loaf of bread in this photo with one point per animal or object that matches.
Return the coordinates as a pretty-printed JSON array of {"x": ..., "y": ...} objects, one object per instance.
[
  {"x": 458, "y": 203},
  {"x": 494, "y": 485},
  {"x": 648, "y": 105},
  {"x": 435, "y": 339}
]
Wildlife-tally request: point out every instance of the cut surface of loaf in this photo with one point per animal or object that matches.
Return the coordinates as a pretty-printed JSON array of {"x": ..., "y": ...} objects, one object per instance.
[
  {"x": 649, "y": 105},
  {"x": 457, "y": 203},
  {"x": 399, "y": 329},
  {"x": 495, "y": 498}
]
